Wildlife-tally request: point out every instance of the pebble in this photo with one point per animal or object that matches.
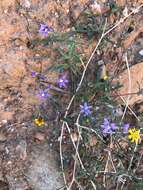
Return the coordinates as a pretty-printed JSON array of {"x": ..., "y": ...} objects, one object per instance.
[
  {"x": 27, "y": 3},
  {"x": 74, "y": 137},
  {"x": 100, "y": 62},
  {"x": 4, "y": 121},
  {"x": 40, "y": 136},
  {"x": 2, "y": 137},
  {"x": 141, "y": 52},
  {"x": 5, "y": 11},
  {"x": 21, "y": 149}
]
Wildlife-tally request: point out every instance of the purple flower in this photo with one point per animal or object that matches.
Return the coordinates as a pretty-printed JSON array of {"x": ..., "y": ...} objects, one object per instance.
[
  {"x": 62, "y": 81},
  {"x": 85, "y": 109},
  {"x": 45, "y": 29},
  {"x": 108, "y": 127},
  {"x": 41, "y": 77},
  {"x": 38, "y": 75},
  {"x": 44, "y": 93},
  {"x": 33, "y": 74},
  {"x": 126, "y": 128}
]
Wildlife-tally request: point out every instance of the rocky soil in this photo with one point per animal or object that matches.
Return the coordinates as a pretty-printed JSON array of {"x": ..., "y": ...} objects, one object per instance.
[{"x": 27, "y": 162}]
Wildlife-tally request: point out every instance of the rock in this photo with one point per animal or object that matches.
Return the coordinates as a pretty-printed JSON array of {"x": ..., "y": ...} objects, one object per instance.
[
  {"x": 98, "y": 7},
  {"x": 39, "y": 171},
  {"x": 132, "y": 37},
  {"x": 26, "y": 3},
  {"x": 74, "y": 137},
  {"x": 136, "y": 72},
  {"x": 40, "y": 136},
  {"x": 43, "y": 172},
  {"x": 141, "y": 52},
  {"x": 2, "y": 137},
  {"x": 4, "y": 121},
  {"x": 21, "y": 150}
]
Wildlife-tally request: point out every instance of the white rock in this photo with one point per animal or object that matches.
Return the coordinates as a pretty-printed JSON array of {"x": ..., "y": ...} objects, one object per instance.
[
  {"x": 125, "y": 11},
  {"x": 141, "y": 52},
  {"x": 27, "y": 3}
]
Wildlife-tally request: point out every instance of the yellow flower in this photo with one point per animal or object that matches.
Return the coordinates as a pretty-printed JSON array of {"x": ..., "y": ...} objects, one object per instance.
[
  {"x": 39, "y": 121},
  {"x": 134, "y": 135},
  {"x": 105, "y": 77}
]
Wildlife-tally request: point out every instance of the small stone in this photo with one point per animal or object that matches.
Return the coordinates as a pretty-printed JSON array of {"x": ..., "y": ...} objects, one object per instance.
[
  {"x": 96, "y": 7},
  {"x": 6, "y": 11},
  {"x": 37, "y": 55},
  {"x": 21, "y": 149},
  {"x": 9, "y": 162},
  {"x": 125, "y": 11},
  {"x": 141, "y": 52},
  {"x": 118, "y": 112},
  {"x": 2, "y": 137},
  {"x": 6, "y": 150},
  {"x": 136, "y": 74},
  {"x": 4, "y": 121},
  {"x": 93, "y": 141},
  {"x": 40, "y": 136},
  {"x": 100, "y": 62},
  {"x": 74, "y": 137},
  {"x": 27, "y": 3}
]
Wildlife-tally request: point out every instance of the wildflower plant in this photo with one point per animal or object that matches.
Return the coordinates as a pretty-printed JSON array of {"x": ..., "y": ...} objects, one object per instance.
[
  {"x": 45, "y": 29},
  {"x": 101, "y": 154},
  {"x": 126, "y": 128},
  {"x": 33, "y": 74},
  {"x": 39, "y": 121},
  {"x": 108, "y": 127},
  {"x": 85, "y": 109},
  {"x": 63, "y": 81},
  {"x": 134, "y": 135},
  {"x": 37, "y": 75},
  {"x": 44, "y": 93}
]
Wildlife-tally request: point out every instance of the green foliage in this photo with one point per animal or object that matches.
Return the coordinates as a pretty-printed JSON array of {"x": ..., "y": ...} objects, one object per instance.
[
  {"x": 50, "y": 39},
  {"x": 57, "y": 38},
  {"x": 68, "y": 58},
  {"x": 114, "y": 8},
  {"x": 90, "y": 25}
]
